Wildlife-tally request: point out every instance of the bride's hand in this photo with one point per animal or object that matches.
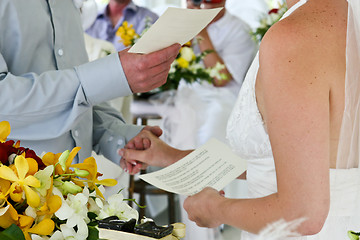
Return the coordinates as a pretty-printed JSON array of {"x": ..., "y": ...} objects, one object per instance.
[{"x": 203, "y": 208}]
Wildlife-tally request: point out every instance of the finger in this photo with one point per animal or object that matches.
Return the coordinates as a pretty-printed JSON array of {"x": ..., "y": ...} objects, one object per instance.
[
  {"x": 130, "y": 145},
  {"x": 222, "y": 193},
  {"x": 146, "y": 143},
  {"x": 157, "y": 131},
  {"x": 136, "y": 168},
  {"x": 158, "y": 75},
  {"x": 160, "y": 79},
  {"x": 138, "y": 155},
  {"x": 162, "y": 55},
  {"x": 129, "y": 167},
  {"x": 122, "y": 163},
  {"x": 138, "y": 143}
]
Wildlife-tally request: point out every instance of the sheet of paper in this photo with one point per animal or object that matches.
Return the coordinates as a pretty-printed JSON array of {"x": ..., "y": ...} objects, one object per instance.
[
  {"x": 211, "y": 165},
  {"x": 176, "y": 25}
]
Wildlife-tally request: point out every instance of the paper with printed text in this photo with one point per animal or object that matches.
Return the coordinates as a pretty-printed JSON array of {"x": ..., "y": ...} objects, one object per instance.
[
  {"x": 211, "y": 165},
  {"x": 176, "y": 25}
]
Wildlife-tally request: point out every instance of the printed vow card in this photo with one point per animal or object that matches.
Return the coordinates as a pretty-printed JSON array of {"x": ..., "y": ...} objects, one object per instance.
[{"x": 211, "y": 165}]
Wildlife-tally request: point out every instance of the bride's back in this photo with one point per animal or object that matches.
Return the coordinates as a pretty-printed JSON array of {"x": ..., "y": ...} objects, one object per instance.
[{"x": 306, "y": 52}]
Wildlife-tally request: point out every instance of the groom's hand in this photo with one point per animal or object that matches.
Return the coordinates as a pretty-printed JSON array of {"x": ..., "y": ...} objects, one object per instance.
[
  {"x": 148, "y": 149},
  {"x": 139, "y": 142}
]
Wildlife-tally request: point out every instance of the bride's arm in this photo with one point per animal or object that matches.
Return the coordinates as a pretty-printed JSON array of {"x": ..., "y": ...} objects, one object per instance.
[{"x": 293, "y": 96}]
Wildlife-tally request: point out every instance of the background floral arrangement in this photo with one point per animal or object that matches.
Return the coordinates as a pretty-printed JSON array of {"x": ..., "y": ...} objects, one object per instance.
[
  {"x": 51, "y": 198},
  {"x": 187, "y": 66},
  {"x": 267, "y": 21}
]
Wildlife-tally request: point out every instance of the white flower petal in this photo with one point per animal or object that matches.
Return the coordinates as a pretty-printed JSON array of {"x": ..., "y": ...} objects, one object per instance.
[
  {"x": 31, "y": 212},
  {"x": 57, "y": 236},
  {"x": 83, "y": 231},
  {"x": 65, "y": 211},
  {"x": 37, "y": 237},
  {"x": 66, "y": 231}
]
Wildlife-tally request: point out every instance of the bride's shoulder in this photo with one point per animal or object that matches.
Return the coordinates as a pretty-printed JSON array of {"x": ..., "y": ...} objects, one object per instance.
[
  {"x": 311, "y": 30},
  {"x": 309, "y": 24}
]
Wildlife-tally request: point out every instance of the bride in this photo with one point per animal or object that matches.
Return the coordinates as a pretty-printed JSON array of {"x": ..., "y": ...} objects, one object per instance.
[{"x": 291, "y": 126}]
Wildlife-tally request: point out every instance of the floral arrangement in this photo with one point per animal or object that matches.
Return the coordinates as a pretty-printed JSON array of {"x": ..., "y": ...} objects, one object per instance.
[
  {"x": 267, "y": 21},
  {"x": 48, "y": 197},
  {"x": 187, "y": 65}
]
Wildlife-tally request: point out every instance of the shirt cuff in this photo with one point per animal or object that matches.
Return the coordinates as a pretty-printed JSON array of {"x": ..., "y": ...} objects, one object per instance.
[{"x": 103, "y": 79}]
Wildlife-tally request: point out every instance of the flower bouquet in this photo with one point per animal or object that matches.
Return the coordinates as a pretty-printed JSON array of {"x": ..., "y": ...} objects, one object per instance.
[
  {"x": 271, "y": 18},
  {"x": 48, "y": 197}
]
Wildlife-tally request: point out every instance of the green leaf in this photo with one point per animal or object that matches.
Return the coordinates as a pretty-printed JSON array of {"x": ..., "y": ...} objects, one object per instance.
[
  {"x": 91, "y": 215},
  {"x": 93, "y": 233},
  {"x": 353, "y": 235},
  {"x": 12, "y": 233}
]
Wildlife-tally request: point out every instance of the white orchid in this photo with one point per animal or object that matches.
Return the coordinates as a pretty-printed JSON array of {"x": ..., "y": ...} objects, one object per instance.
[
  {"x": 74, "y": 211},
  {"x": 116, "y": 206}
]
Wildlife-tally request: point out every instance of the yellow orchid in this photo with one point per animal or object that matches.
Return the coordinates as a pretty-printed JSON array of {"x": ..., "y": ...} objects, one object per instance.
[
  {"x": 4, "y": 130},
  {"x": 44, "y": 227},
  {"x": 52, "y": 204},
  {"x": 4, "y": 190},
  {"x": 89, "y": 164},
  {"x": 8, "y": 214},
  {"x": 53, "y": 159},
  {"x": 20, "y": 183}
]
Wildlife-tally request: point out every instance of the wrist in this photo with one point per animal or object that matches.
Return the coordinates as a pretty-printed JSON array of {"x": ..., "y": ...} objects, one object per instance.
[
  {"x": 219, "y": 207},
  {"x": 179, "y": 154}
]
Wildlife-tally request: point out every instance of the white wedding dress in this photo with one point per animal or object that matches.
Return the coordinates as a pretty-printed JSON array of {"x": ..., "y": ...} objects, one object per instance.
[{"x": 248, "y": 138}]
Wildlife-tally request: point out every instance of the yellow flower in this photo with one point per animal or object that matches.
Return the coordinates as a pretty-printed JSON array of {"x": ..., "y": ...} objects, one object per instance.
[
  {"x": 89, "y": 164},
  {"x": 52, "y": 204},
  {"x": 127, "y": 34},
  {"x": 4, "y": 130},
  {"x": 52, "y": 159},
  {"x": 8, "y": 216},
  {"x": 20, "y": 183},
  {"x": 44, "y": 227},
  {"x": 182, "y": 62}
]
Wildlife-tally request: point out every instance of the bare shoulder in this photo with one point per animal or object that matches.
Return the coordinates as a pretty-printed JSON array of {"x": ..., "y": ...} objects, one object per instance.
[
  {"x": 302, "y": 57},
  {"x": 308, "y": 42}
]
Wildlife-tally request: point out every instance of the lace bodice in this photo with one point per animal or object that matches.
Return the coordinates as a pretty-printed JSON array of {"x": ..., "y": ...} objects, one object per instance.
[
  {"x": 246, "y": 131},
  {"x": 247, "y": 136}
]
